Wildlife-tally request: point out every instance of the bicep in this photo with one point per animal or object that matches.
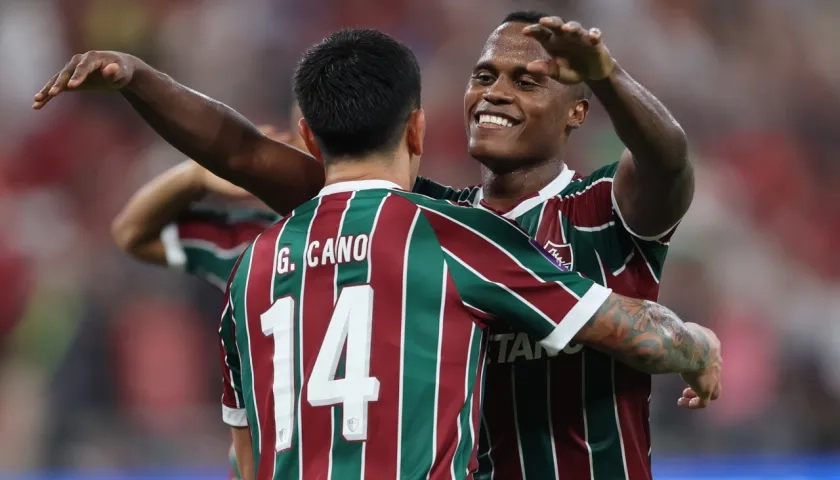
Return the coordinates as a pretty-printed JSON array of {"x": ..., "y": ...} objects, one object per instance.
[
  {"x": 651, "y": 203},
  {"x": 280, "y": 175}
]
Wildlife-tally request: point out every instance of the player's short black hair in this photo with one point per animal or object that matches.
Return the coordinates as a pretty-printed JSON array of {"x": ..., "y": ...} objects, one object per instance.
[
  {"x": 525, "y": 16},
  {"x": 580, "y": 91},
  {"x": 356, "y": 90}
]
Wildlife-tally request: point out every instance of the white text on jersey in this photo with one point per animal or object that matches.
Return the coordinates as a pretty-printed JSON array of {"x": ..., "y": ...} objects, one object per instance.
[{"x": 344, "y": 249}]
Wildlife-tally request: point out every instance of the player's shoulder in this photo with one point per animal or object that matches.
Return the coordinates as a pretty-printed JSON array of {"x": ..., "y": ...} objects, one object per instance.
[{"x": 599, "y": 179}]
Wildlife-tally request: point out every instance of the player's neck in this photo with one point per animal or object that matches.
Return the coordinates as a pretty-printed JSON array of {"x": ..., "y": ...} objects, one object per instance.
[
  {"x": 369, "y": 169},
  {"x": 504, "y": 191}
]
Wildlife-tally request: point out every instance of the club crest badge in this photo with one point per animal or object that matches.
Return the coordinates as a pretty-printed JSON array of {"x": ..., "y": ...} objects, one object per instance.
[{"x": 562, "y": 253}]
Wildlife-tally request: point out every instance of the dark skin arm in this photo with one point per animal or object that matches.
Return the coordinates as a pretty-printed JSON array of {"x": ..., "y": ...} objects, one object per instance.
[
  {"x": 211, "y": 133},
  {"x": 654, "y": 184},
  {"x": 652, "y": 339}
]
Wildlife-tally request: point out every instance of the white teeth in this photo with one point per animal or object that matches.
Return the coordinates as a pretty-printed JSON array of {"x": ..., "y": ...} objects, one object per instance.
[{"x": 494, "y": 119}]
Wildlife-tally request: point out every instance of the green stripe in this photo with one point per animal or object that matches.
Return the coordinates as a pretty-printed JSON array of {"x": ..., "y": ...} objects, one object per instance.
[
  {"x": 530, "y": 220},
  {"x": 531, "y": 394},
  {"x": 294, "y": 236},
  {"x": 465, "y": 446},
  {"x": 208, "y": 265},
  {"x": 603, "y": 433},
  {"x": 237, "y": 290},
  {"x": 347, "y": 457},
  {"x": 424, "y": 284}
]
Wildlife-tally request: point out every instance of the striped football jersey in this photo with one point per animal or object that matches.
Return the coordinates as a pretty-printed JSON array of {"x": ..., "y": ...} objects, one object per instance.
[{"x": 353, "y": 344}]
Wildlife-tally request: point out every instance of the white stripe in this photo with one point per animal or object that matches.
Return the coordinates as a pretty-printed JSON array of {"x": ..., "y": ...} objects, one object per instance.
[
  {"x": 577, "y": 317},
  {"x": 437, "y": 369},
  {"x": 601, "y": 268},
  {"x": 642, "y": 253},
  {"x": 176, "y": 257},
  {"x": 550, "y": 419},
  {"x": 588, "y": 187},
  {"x": 355, "y": 185},
  {"x": 270, "y": 302},
  {"x": 585, "y": 420},
  {"x": 501, "y": 249},
  {"x": 516, "y": 420},
  {"x": 630, "y": 230},
  {"x": 235, "y": 417},
  {"x": 617, "y": 420},
  {"x": 468, "y": 305},
  {"x": 402, "y": 343},
  {"x": 486, "y": 430},
  {"x": 596, "y": 228},
  {"x": 626, "y": 262},
  {"x": 300, "y": 343},
  {"x": 369, "y": 270}
]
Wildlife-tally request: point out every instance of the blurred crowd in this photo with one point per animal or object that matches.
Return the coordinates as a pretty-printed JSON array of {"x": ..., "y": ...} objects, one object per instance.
[{"x": 106, "y": 362}]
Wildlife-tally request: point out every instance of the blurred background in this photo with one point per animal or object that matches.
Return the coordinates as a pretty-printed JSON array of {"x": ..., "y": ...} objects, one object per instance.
[{"x": 106, "y": 364}]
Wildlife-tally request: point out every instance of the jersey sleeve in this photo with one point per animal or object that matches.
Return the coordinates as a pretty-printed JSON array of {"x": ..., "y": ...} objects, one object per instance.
[
  {"x": 595, "y": 210},
  {"x": 430, "y": 188},
  {"x": 502, "y": 275},
  {"x": 233, "y": 402},
  {"x": 206, "y": 242}
]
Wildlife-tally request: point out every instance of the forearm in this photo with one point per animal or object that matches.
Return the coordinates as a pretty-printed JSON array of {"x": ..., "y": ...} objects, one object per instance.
[
  {"x": 243, "y": 448},
  {"x": 211, "y": 133},
  {"x": 656, "y": 140},
  {"x": 646, "y": 336},
  {"x": 155, "y": 205}
]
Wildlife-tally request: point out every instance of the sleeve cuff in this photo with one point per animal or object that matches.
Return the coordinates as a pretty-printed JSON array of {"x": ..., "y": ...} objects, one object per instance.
[
  {"x": 235, "y": 417},
  {"x": 576, "y": 318},
  {"x": 176, "y": 257},
  {"x": 630, "y": 230}
]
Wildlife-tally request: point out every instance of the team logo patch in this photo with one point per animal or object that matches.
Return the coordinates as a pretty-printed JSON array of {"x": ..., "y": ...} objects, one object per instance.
[{"x": 562, "y": 253}]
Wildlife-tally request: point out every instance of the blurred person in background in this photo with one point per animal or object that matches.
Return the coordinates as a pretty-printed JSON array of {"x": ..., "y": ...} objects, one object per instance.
[
  {"x": 164, "y": 224},
  {"x": 527, "y": 94}
]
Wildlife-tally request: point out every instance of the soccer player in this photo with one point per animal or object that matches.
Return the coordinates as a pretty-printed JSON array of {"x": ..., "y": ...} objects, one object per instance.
[
  {"x": 163, "y": 224},
  {"x": 352, "y": 340},
  {"x": 613, "y": 225}
]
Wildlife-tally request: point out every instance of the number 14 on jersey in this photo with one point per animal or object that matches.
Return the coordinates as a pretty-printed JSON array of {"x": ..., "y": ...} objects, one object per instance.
[{"x": 351, "y": 324}]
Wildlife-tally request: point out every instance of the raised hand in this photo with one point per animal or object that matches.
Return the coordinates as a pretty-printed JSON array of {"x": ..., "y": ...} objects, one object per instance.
[
  {"x": 705, "y": 386},
  {"x": 91, "y": 71},
  {"x": 578, "y": 55}
]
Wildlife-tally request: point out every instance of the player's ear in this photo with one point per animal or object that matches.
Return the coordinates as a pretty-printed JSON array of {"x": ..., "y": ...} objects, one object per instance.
[
  {"x": 415, "y": 131},
  {"x": 309, "y": 140},
  {"x": 577, "y": 114}
]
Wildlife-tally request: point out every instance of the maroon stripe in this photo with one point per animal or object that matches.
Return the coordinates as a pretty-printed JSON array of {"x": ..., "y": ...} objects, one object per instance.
[
  {"x": 592, "y": 208},
  {"x": 567, "y": 416},
  {"x": 387, "y": 250},
  {"x": 632, "y": 390},
  {"x": 258, "y": 299},
  {"x": 318, "y": 299},
  {"x": 500, "y": 421},
  {"x": 456, "y": 336},
  {"x": 222, "y": 235}
]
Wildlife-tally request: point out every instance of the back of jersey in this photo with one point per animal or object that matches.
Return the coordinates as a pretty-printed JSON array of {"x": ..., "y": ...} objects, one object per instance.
[{"x": 344, "y": 363}]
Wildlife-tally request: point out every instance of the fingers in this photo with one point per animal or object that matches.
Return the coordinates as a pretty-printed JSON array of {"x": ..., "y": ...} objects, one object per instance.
[
  {"x": 568, "y": 30},
  {"x": 538, "y": 32},
  {"x": 42, "y": 97}
]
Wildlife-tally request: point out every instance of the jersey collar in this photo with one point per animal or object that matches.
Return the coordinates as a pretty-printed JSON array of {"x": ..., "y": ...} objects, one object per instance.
[
  {"x": 354, "y": 185},
  {"x": 551, "y": 190}
]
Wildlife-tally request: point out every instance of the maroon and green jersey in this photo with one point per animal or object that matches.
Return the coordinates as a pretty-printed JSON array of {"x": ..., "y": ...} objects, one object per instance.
[
  {"x": 205, "y": 241},
  {"x": 577, "y": 414},
  {"x": 353, "y": 340}
]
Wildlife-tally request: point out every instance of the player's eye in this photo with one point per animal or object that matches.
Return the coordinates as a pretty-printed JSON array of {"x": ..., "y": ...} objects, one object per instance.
[
  {"x": 526, "y": 83},
  {"x": 483, "y": 78}
]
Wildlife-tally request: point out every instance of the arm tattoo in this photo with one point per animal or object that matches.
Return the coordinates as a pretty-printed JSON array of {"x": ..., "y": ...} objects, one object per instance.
[{"x": 646, "y": 336}]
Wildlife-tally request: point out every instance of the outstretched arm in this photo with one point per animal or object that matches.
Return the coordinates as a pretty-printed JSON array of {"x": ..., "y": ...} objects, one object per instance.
[
  {"x": 648, "y": 337},
  {"x": 211, "y": 133},
  {"x": 654, "y": 184}
]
